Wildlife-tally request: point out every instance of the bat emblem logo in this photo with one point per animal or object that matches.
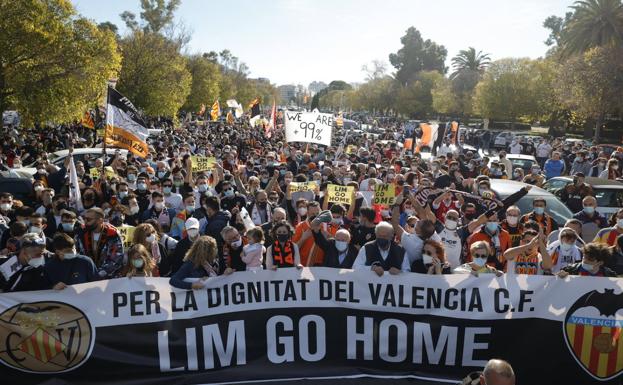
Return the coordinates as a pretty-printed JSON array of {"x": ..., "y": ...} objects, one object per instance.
[{"x": 592, "y": 330}]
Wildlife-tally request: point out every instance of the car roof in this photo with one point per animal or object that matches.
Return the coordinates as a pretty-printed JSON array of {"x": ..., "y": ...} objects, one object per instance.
[
  {"x": 596, "y": 182},
  {"x": 505, "y": 187},
  {"x": 89, "y": 150},
  {"x": 520, "y": 156}
]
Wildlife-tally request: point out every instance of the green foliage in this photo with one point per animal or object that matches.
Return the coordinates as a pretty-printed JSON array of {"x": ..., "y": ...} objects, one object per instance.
[
  {"x": 154, "y": 74},
  {"x": 55, "y": 64},
  {"x": 417, "y": 55},
  {"x": 416, "y": 99},
  {"x": 505, "y": 91},
  {"x": 592, "y": 83},
  {"x": 470, "y": 61},
  {"x": 205, "y": 86},
  {"x": 594, "y": 23}
]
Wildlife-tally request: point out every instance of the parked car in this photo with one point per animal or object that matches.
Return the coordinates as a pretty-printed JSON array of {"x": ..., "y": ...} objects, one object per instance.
[
  {"x": 20, "y": 185},
  {"x": 609, "y": 193},
  {"x": 58, "y": 158},
  {"x": 554, "y": 207},
  {"x": 502, "y": 140},
  {"x": 524, "y": 162}
]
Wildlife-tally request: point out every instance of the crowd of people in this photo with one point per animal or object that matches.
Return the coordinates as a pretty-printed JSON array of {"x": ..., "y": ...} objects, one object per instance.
[{"x": 244, "y": 215}]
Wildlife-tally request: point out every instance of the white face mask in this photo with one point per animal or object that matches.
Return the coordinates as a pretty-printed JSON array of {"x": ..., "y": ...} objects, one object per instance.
[
  {"x": 566, "y": 246},
  {"x": 237, "y": 243},
  {"x": 36, "y": 262},
  {"x": 151, "y": 238},
  {"x": 71, "y": 255},
  {"x": 302, "y": 211},
  {"x": 134, "y": 210},
  {"x": 192, "y": 232},
  {"x": 159, "y": 205},
  {"x": 512, "y": 220},
  {"x": 451, "y": 224},
  {"x": 427, "y": 259},
  {"x": 6, "y": 206},
  {"x": 588, "y": 267},
  {"x": 35, "y": 229},
  {"x": 341, "y": 246},
  {"x": 480, "y": 262}
]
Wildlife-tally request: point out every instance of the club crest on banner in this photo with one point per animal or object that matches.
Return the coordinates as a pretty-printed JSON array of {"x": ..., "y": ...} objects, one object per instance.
[
  {"x": 592, "y": 330},
  {"x": 45, "y": 337}
]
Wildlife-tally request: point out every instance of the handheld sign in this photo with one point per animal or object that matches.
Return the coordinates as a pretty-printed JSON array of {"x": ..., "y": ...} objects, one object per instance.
[
  {"x": 340, "y": 194},
  {"x": 94, "y": 172},
  {"x": 202, "y": 163},
  {"x": 384, "y": 194},
  {"x": 303, "y": 186},
  {"x": 127, "y": 234},
  {"x": 309, "y": 127}
]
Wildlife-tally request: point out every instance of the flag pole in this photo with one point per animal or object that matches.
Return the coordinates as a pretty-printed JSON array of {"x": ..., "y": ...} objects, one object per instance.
[{"x": 111, "y": 83}]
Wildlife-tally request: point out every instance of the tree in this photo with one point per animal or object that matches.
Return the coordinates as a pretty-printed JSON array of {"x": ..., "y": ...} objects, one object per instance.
[
  {"x": 444, "y": 99},
  {"x": 592, "y": 84},
  {"x": 205, "y": 86},
  {"x": 470, "y": 61},
  {"x": 376, "y": 70},
  {"x": 156, "y": 15},
  {"x": 417, "y": 55},
  {"x": 109, "y": 26},
  {"x": 336, "y": 85},
  {"x": 505, "y": 91},
  {"x": 154, "y": 74},
  {"x": 594, "y": 23},
  {"x": 416, "y": 99},
  {"x": 54, "y": 64}
]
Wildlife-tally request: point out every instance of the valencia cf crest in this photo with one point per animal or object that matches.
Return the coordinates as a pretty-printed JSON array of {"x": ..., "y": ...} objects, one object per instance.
[
  {"x": 592, "y": 330},
  {"x": 45, "y": 337}
]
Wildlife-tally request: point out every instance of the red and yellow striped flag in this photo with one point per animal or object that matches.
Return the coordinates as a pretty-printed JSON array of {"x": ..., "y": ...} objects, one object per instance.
[{"x": 216, "y": 110}]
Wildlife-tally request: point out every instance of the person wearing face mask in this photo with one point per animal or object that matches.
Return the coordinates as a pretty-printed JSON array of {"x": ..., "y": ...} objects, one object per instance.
[
  {"x": 67, "y": 267},
  {"x": 102, "y": 243},
  {"x": 546, "y": 222},
  {"x": 612, "y": 171},
  {"x": 580, "y": 164},
  {"x": 453, "y": 236},
  {"x": 554, "y": 166},
  {"x": 433, "y": 260},
  {"x": 140, "y": 263},
  {"x": 229, "y": 197},
  {"x": 283, "y": 251},
  {"x": 530, "y": 257},
  {"x": 159, "y": 211},
  {"x": 564, "y": 251},
  {"x": 599, "y": 165},
  {"x": 260, "y": 209},
  {"x": 573, "y": 193},
  {"x": 24, "y": 270},
  {"x": 595, "y": 256},
  {"x": 445, "y": 202},
  {"x": 592, "y": 221},
  {"x": 311, "y": 255},
  {"x": 232, "y": 248},
  {"x": 142, "y": 193},
  {"x": 146, "y": 235},
  {"x": 46, "y": 198},
  {"x": 177, "y": 224},
  {"x": 339, "y": 252},
  {"x": 512, "y": 225},
  {"x": 610, "y": 234},
  {"x": 278, "y": 215},
  {"x": 6, "y": 206},
  {"x": 22, "y": 214},
  {"x": 192, "y": 230},
  {"x": 171, "y": 199},
  {"x": 498, "y": 239},
  {"x": 616, "y": 261},
  {"x": 383, "y": 254},
  {"x": 480, "y": 252}
]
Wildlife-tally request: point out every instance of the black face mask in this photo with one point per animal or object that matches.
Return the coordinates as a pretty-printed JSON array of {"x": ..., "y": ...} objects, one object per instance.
[
  {"x": 383, "y": 243},
  {"x": 283, "y": 238},
  {"x": 261, "y": 205},
  {"x": 61, "y": 206}
]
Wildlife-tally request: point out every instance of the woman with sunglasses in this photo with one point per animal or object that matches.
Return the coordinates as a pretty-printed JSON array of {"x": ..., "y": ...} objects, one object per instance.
[{"x": 480, "y": 252}]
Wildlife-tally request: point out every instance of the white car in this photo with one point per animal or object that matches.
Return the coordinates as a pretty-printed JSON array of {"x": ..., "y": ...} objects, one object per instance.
[
  {"x": 524, "y": 162},
  {"x": 58, "y": 158}
]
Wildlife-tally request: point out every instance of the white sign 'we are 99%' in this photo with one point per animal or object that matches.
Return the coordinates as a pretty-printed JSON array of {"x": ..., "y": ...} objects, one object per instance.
[{"x": 309, "y": 127}]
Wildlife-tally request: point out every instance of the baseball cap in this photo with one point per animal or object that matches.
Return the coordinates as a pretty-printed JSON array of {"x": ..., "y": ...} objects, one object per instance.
[{"x": 192, "y": 223}]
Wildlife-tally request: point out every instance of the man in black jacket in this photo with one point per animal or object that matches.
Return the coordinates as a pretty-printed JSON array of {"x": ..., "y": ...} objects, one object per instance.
[
  {"x": 382, "y": 254},
  {"x": 23, "y": 271},
  {"x": 338, "y": 252}
]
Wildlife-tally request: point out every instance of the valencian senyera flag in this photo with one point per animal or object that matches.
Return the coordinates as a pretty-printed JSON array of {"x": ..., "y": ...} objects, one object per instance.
[
  {"x": 216, "y": 110},
  {"x": 124, "y": 126},
  {"x": 87, "y": 120}
]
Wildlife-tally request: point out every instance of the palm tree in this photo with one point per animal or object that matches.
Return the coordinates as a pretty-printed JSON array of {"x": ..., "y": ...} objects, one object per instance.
[
  {"x": 594, "y": 23},
  {"x": 470, "y": 60}
]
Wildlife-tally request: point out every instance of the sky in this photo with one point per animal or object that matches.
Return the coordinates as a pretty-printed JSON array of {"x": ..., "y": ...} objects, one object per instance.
[{"x": 299, "y": 41}]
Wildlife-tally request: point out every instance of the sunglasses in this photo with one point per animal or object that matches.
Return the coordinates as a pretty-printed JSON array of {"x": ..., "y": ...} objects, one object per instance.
[{"x": 481, "y": 256}]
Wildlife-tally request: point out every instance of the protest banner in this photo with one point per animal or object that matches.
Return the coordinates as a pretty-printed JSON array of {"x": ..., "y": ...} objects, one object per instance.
[
  {"x": 94, "y": 172},
  {"x": 384, "y": 194},
  {"x": 202, "y": 163},
  {"x": 303, "y": 186},
  {"x": 313, "y": 323},
  {"x": 309, "y": 127},
  {"x": 340, "y": 194},
  {"x": 127, "y": 234}
]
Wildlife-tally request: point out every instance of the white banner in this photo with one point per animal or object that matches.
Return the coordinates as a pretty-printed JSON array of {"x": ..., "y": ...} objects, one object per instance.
[{"x": 309, "y": 127}]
